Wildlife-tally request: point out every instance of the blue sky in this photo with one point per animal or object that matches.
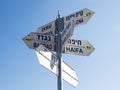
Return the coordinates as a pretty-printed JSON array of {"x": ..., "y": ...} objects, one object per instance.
[{"x": 19, "y": 67}]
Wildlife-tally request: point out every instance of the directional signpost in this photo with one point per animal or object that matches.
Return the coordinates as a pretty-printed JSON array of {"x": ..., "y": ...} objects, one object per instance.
[
  {"x": 80, "y": 17},
  {"x": 78, "y": 47},
  {"x": 73, "y": 46},
  {"x": 33, "y": 40},
  {"x": 43, "y": 38},
  {"x": 54, "y": 38}
]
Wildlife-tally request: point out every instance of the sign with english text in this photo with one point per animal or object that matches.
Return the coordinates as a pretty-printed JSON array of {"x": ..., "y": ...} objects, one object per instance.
[
  {"x": 33, "y": 41},
  {"x": 78, "y": 47},
  {"x": 80, "y": 17}
]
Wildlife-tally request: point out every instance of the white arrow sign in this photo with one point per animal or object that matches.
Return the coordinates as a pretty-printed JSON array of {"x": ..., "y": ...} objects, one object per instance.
[
  {"x": 80, "y": 17},
  {"x": 67, "y": 32},
  {"x": 69, "y": 75},
  {"x": 33, "y": 41},
  {"x": 48, "y": 29},
  {"x": 78, "y": 47},
  {"x": 49, "y": 61},
  {"x": 73, "y": 46},
  {"x": 42, "y": 38}
]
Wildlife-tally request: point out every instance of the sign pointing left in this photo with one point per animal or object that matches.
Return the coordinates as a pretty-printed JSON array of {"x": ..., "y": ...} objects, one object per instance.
[
  {"x": 72, "y": 46},
  {"x": 33, "y": 40},
  {"x": 47, "y": 29},
  {"x": 41, "y": 37}
]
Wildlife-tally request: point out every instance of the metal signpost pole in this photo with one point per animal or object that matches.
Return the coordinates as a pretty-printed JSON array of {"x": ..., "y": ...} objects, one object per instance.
[
  {"x": 59, "y": 24},
  {"x": 54, "y": 37}
]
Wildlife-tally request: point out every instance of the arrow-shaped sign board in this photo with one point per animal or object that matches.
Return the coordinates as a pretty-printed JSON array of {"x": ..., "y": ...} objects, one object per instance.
[
  {"x": 73, "y": 46},
  {"x": 33, "y": 40},
  {"x": 42, "y": 38},
  {"x": 80, "y": 17},
  {"x": 49, "y": 61},
  {"x": 48, "y": 29},
  {"x": 69, "y": 75},
  {"x": 78, "y": 47},
  {"x": 67, "y": 32}
]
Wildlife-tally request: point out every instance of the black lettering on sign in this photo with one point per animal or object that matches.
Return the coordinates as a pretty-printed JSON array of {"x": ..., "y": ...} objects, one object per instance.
[
  {"x": 35, "y": 44},
  {"x": 79, "y": 42},
  {"x": 49, "y": 46},
  {"x": 80, "y": 13},
  {"x": 75, "y": 42},
  {"x": 79, "y": 21},
  {"x": 75, "y": 15},
  {"x": 74, "y": 50},
  {"x": 43, "y": 38},
  {"x": 67, "y": 49},
  {"x": 69, "y": 17},
  {"x": 53, "y": 61},
  {"x": 54, "y": 58},
  {"x": 69, "y": 41},
  {"x": 80, "y": 51},
  {"x": 52, "y": 65},
  {"x": 46, "y": 27}
]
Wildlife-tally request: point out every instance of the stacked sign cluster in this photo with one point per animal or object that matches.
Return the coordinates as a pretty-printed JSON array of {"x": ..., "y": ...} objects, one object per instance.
[{"x": 43, "y": 41}]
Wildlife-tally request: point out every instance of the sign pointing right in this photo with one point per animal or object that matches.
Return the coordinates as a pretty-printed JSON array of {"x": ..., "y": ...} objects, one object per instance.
[
  {"x": 78, "y": 47},
  {"x": 80, "y": 17}
]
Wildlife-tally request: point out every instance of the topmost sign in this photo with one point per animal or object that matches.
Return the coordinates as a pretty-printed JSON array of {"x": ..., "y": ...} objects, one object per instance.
[{"x": 80, "y": 17}]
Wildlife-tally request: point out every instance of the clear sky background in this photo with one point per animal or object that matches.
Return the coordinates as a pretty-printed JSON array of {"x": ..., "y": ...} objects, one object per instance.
[{"x": 19, "y": 67}]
